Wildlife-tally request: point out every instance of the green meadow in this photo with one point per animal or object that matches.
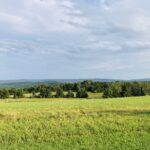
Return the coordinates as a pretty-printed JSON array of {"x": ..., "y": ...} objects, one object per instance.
[{"x": 75, "y": 124}]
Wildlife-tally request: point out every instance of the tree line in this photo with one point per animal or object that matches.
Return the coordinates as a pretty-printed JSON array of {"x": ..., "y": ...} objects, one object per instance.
[
  {"x": 126, "y": 89},
  {"x": 80, "y": 90}
]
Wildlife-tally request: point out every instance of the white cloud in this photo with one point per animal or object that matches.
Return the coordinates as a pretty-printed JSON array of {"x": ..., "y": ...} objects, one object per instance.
[
  {"x": 86, "y": 34},
  {"x": 33, "y": 16}
]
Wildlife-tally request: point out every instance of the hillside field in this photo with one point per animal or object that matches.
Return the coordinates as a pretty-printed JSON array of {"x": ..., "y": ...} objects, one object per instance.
[{"x": 75, "y": 124}]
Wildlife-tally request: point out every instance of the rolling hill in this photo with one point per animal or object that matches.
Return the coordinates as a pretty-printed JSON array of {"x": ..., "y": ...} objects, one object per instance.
[{"x": 21, "y": 83}]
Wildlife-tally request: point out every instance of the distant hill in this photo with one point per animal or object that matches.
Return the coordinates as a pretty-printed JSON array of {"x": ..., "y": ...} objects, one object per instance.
[
  {"x": 142, "y": 80},
  {"x": 23, "y": 83},
  {"x": 29, "y": 82}
]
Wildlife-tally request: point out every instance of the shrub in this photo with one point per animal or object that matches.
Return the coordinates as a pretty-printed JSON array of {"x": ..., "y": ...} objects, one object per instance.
[
  {"x": 70, "y": 94},
  {"x": 82, "y": 93}
]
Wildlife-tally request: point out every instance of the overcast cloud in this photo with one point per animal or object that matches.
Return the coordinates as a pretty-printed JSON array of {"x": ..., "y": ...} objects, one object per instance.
[{"x": 74, "y": 39}]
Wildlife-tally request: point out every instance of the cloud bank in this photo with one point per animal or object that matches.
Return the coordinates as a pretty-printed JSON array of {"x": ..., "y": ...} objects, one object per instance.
[{"x": 74, "y": 39}]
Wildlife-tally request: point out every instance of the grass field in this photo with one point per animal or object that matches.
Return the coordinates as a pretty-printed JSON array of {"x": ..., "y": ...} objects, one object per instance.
[
  {"x": 90, "y": 94},
  {"x": 75, "y": 124}
]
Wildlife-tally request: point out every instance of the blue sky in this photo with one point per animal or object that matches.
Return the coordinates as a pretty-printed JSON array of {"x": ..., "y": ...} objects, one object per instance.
[{"x": 49, "y": 39}]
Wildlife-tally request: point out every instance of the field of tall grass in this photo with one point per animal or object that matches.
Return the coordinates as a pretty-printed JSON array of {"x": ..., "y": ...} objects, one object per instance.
[{"x": 75, "y": 124}]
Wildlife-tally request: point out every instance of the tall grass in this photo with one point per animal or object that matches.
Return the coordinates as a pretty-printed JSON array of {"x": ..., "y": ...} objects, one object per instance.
[{"x": 75, "y": 124}]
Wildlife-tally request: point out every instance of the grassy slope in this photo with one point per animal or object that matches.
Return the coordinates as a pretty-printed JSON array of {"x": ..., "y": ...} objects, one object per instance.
[{"x": 75, "y": 124}]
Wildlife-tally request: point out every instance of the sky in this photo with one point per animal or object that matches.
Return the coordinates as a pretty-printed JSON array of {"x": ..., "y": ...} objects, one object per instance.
[{"x": 72, "y": 39}]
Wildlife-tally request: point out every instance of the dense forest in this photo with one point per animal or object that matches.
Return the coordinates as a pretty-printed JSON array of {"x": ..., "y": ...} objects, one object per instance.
[{"x": 80, "y": 90}]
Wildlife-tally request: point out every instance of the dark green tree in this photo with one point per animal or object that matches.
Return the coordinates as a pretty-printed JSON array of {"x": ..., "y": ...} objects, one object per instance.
[
  {"x": 59, "y": 93},
  {"x": 45, "y": 93},
  {"x": 18, "y": 93},
  {"x": 70, "y": 94},
  {"x": 108, "y": 93},
  {"x": 82, "y": 93},
  {"x": 126, "y": 90},
  {"x": 4, "y": 94}
]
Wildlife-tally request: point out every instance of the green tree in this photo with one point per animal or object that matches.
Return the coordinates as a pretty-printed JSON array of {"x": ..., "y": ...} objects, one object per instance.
[
  {"x": 45, "y": 93},
  {"x": 82, "y": 93},
  {"x": 59, "y": 93},
  {"x": 4, "y": 94},
  {"x": 108, "y": 93},
  {"x": 70, "y": 94},
  {"x": 126, "y": 90},
  {"x": 18, "y": 93}
]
